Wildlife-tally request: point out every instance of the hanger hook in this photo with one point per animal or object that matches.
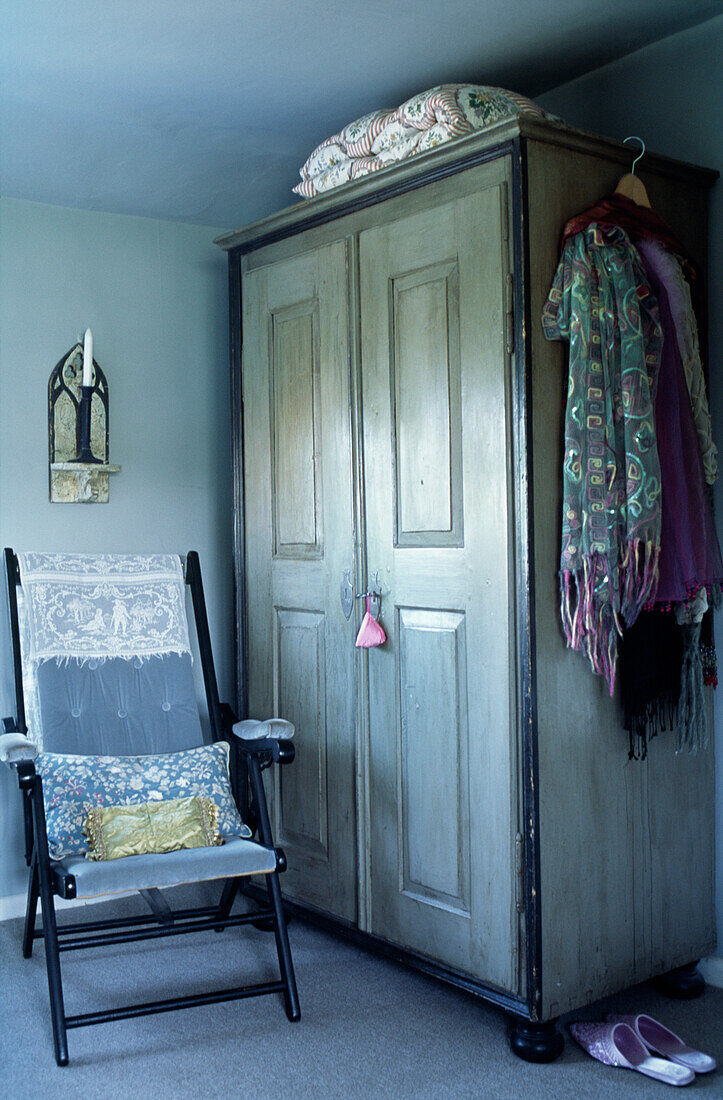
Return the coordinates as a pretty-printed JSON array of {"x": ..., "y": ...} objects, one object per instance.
[{"x": 640, "y": 155}]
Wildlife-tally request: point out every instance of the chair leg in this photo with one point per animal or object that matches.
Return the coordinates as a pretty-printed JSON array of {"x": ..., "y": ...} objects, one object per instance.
[
  {"x": 286, "y": 965},
  {"x": 52, "y": 962},
  {"x": 228, "y": 897},
  {"x": 31, "y": 910}
]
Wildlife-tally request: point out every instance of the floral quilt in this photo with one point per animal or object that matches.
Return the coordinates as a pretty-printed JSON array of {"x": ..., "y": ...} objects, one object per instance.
[{"x": 426, "y": 120}]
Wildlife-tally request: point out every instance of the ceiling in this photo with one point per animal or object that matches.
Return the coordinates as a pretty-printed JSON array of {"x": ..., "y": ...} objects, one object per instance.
[{"x": 203, "y": 111}]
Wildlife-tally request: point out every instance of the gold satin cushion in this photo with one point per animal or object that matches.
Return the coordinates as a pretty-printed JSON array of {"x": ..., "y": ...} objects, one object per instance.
[{"x": 152, "y": 827}]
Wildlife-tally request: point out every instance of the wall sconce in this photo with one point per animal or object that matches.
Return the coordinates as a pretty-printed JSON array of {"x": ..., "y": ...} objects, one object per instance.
[{"x": 78, "y": 429}]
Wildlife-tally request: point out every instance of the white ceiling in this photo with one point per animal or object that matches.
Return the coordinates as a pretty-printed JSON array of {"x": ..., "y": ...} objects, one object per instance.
[{"x": 203, "y": 111}]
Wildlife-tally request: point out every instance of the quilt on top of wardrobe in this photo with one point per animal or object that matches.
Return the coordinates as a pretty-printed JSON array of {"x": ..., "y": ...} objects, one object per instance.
[{"x": 384, "y": 137}]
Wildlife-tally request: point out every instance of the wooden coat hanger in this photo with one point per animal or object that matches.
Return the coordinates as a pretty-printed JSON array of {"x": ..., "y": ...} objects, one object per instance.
[{"x": 631, "y": 186}]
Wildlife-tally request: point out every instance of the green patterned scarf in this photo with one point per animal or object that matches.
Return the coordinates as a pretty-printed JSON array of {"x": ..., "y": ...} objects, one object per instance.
[{"x": 602, "y": 303}]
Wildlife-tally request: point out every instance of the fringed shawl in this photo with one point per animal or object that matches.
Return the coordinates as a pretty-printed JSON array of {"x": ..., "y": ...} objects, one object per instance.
[{"x": 602, "y": 303}]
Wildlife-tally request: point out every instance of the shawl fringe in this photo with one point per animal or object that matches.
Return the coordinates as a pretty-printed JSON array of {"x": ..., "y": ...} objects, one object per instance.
[
  {"x": 64, "y": 660},
  {"x": 593, "y": 625},
  {"x": 659, "y": 716}
]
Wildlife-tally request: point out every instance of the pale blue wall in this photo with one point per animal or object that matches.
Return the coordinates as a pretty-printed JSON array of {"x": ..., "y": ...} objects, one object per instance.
[
  {"x": 671, "y": 94},
  {"x": 154, "y": 293}
]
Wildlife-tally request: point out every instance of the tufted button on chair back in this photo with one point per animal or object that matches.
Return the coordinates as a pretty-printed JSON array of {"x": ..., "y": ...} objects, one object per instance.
[{"x": 119, "y": 707}]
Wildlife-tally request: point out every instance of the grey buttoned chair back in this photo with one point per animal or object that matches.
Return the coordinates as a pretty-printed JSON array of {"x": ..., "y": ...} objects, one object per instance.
[{"x": 118, "y": 707}]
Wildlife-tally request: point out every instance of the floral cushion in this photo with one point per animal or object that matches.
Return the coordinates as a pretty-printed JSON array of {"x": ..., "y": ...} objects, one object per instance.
[{"x": 74, "y": 785}]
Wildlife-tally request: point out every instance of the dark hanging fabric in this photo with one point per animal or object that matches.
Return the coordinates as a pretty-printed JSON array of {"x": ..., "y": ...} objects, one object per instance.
[
  {"x": 690, "y": 556},
  {"x": 662, "y": 663},
  {"x": 640, "y": 223},
  {"x": 637, "y": 221},
  {"x": 651, "y": 661},
  {"x": 664, "y": 667}
]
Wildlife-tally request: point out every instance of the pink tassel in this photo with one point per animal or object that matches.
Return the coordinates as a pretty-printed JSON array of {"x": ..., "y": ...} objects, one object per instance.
[{"x": 370, "y": 631}]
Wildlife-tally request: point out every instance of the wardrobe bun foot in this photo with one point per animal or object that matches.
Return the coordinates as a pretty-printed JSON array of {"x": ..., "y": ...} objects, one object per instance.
[
  {"x": 683, "y": 983},
  {"x": 536, "y": 1042}
]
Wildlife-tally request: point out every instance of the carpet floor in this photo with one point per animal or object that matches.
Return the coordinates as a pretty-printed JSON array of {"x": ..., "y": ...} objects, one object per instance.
[{"x": 369, "y": 1028}]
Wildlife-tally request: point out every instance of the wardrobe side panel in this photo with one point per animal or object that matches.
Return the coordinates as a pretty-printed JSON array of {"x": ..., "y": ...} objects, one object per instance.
[
  {"x": 589, "y": 797},
  {"x": 680, "y": 798},
  {"x": 613, "y": 888}
]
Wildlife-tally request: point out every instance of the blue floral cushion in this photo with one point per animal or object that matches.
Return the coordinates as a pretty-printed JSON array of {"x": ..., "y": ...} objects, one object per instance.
[{"x": 73, "y": 785}]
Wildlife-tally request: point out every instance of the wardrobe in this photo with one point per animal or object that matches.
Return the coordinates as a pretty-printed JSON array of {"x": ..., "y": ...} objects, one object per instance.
[{"x": 462, "y": 798}]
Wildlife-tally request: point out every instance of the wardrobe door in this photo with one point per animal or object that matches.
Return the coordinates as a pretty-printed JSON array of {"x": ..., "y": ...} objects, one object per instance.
[
  {"x": 299, "y": 542},
  {"x": 442, "y": 784}
]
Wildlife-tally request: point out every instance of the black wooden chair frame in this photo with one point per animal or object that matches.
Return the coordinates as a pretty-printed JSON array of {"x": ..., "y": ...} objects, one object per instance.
[{"x": 46, "y": 881}]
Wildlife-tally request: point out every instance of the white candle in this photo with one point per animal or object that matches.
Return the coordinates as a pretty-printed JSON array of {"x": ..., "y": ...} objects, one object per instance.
[{"x": 88, "y": 358}]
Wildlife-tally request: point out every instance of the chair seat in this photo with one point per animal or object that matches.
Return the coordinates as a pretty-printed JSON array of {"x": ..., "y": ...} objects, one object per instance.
[{"x": 235, "y": 858}]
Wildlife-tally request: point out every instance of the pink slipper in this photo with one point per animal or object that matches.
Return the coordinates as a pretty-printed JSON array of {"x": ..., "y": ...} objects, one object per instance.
[
  {"x": 663, "y": 1041},
  {"x": 618, "y": 1045}
]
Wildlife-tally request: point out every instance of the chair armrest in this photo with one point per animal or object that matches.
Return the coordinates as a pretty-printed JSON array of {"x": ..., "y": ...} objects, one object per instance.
[
  {"x": 261, "y": 743},
  {"x": 254, "y": 738},
  {"x": 15, "y": 747},
  {"x": 276, "y": 729},
  {"x": 281, "y": 752}
]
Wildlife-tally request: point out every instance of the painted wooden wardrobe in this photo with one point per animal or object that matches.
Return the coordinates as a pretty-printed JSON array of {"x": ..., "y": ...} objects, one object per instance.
[{"x": 462, "y": 798}]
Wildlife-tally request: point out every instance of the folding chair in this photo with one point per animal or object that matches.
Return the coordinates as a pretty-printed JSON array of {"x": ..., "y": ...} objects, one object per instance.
[{"x": 103, "y": 671}]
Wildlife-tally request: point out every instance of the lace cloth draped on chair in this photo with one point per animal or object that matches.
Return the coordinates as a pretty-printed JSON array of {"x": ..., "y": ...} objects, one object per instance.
[
  {"x": 83, "y": 606},
  {"x": 92, "y": 608}
]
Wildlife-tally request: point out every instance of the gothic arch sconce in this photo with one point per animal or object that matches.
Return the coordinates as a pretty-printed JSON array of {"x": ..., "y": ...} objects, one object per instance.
[{"x": 78, "y": 429}]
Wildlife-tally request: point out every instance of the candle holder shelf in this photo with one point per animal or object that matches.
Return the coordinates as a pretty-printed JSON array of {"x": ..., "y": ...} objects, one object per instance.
[{"x": 78, "y": 437}]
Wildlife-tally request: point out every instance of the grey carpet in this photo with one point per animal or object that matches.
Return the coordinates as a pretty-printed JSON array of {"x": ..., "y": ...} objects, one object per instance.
[{"x": 369, "y": 1028}]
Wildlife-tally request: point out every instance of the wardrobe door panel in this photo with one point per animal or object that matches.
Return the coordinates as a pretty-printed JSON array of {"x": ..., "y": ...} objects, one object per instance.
[
  {"x": 299, "y": 542},
  {"x": 424, "y": 313},
  {"x": 433, "y": 811},
  {"x": 300, "y": 654},
  {"x": 442, "y": 740},
  {"x": 295, "y": 431}
]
